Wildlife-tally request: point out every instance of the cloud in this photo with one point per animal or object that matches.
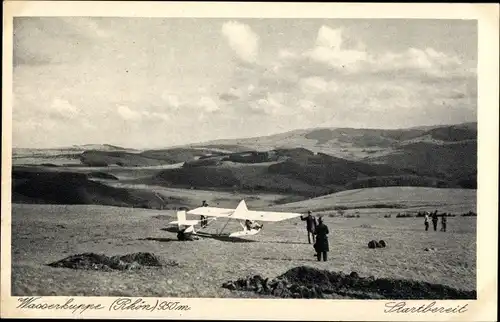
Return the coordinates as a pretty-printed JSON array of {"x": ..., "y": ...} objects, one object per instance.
[
  {"x": 242, "y": 40},
  {"x": 339, "y": 81},
  {"x": 39, "y": 41},
  {"x": 307, "y": 105},
  {"x": 158, "y": 116},
  {"x": 63, "y": 108},
  {"x": 327, "y": 77},
  {"x": 171, "y": 100},
  {"x": 208, "y": 104},
  {"x": 340, "y": 59},
  {"x": 87, "y": 26},
  {"x": 334, "y": 54},
  {"x": 314, "y": 85},
  {"x": 234, "y": 93},
  {"x": 228, "y": 97},
  {"x": 329, "y": 38},
  {"x": 272, "y": 104},
  {"x": 420, "y": 62},
  {"x": 330, "y": 50},
  {"x": 286, "y": 54},
  {"x": 127, "y": 114}
]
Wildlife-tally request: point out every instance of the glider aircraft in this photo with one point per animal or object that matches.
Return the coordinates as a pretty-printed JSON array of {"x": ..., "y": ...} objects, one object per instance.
[{"x": 247, "y": 218}]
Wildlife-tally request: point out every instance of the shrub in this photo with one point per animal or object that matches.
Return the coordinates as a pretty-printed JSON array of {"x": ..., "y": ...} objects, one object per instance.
[{"x": 404, "y": 215}]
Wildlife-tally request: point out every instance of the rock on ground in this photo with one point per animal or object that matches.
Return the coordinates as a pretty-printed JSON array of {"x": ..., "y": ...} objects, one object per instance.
[
  {"x": 102, "y": 262},
  {"x": 308, "y": 282}
]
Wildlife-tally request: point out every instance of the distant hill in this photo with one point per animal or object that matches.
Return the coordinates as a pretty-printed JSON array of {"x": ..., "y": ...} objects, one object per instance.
[
  {"x": 46, "y": 187},
  {"x": 300, "y": 171},
  {"x": 435, "y": 156},
  {"x": 237, "y": 177},
  {"x": 102, "y": 147},
  {"x": 177, "y": 155},
  {"x": 354, "y": 144},
  {"x": 320, "y": 160},
  {"x": 117, "y": 158},
  {"x": 64, "y": 155},
  {"x": 455, "y": 162},
  {"x": 146, "y": 158},
  {"x": 308, "y": 162},
  {"x": 69, "y": 149}
]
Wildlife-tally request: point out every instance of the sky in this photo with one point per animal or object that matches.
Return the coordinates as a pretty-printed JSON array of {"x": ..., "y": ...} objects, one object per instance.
[{"x": 159, "y": 82}]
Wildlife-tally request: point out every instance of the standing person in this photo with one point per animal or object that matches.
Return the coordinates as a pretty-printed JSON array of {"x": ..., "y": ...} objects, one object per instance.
[
  {"x": 310, "y": 226},
  {"x": 204, "y": 221},
  {"x": 426, "y": 221},
  {"x": 434, "y": 220},
  {"x": 443, "y": 222},
  {"x": 321, "y": 246}
]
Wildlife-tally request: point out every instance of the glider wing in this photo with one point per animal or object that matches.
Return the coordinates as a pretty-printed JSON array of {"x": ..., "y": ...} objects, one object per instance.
[
  {"x": 242, "y": 213},
  {"x": 266, "y": 215},
  {"x": 211, "y": 212}
]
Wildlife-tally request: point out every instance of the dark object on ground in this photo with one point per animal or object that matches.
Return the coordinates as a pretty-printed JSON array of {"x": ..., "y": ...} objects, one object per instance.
[
  {"x": 92, "y": 261},
  {"x": 49, "y": 165},
  {"x": 183, "y": 236},
  {"x": 373, "y": 244},
  {"x": 377, "y": 244},
  {"x": 308, "y": 282},
  {"x": 405, "y": 215}
]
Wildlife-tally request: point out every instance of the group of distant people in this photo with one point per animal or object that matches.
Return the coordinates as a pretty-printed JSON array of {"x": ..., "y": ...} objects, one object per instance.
[
  {"x": 434, "y": 218},
  {"x": 318, "y": 232}
]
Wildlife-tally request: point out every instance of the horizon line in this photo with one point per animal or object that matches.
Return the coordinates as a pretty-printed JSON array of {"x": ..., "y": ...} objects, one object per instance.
[{"x": 247, "y": 137}]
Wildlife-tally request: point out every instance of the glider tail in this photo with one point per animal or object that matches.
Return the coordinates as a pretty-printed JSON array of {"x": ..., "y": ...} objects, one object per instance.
[{"x": 241, "y": 209}]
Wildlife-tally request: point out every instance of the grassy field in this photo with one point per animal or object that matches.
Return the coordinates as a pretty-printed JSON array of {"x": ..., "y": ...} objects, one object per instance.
[
  {"x": 389, "y": 200},
  {"x": 42, "y": 234}
]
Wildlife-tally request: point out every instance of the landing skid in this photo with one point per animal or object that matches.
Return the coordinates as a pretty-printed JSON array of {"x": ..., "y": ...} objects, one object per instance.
[{"x": 244, "y": 233}]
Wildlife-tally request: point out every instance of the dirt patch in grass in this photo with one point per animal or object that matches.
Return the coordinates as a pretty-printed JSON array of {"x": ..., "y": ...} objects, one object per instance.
[
  {"x": 308, "y": 282},
  {"x": 100, "y": 262}
]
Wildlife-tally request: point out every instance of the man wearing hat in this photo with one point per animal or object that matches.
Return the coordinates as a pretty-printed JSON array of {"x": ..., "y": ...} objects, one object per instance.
[
  {"x": 321, "y": 246},
  {"x": 435, "y": 219},
  {"x": 310, "y": 226}
]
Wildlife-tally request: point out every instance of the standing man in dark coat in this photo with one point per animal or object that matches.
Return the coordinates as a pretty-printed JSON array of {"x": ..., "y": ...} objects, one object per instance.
[
  {"x": 310, "y": 226},
  {"x": 435, "y": 220},
  {"x": 321, "y": 246}
]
